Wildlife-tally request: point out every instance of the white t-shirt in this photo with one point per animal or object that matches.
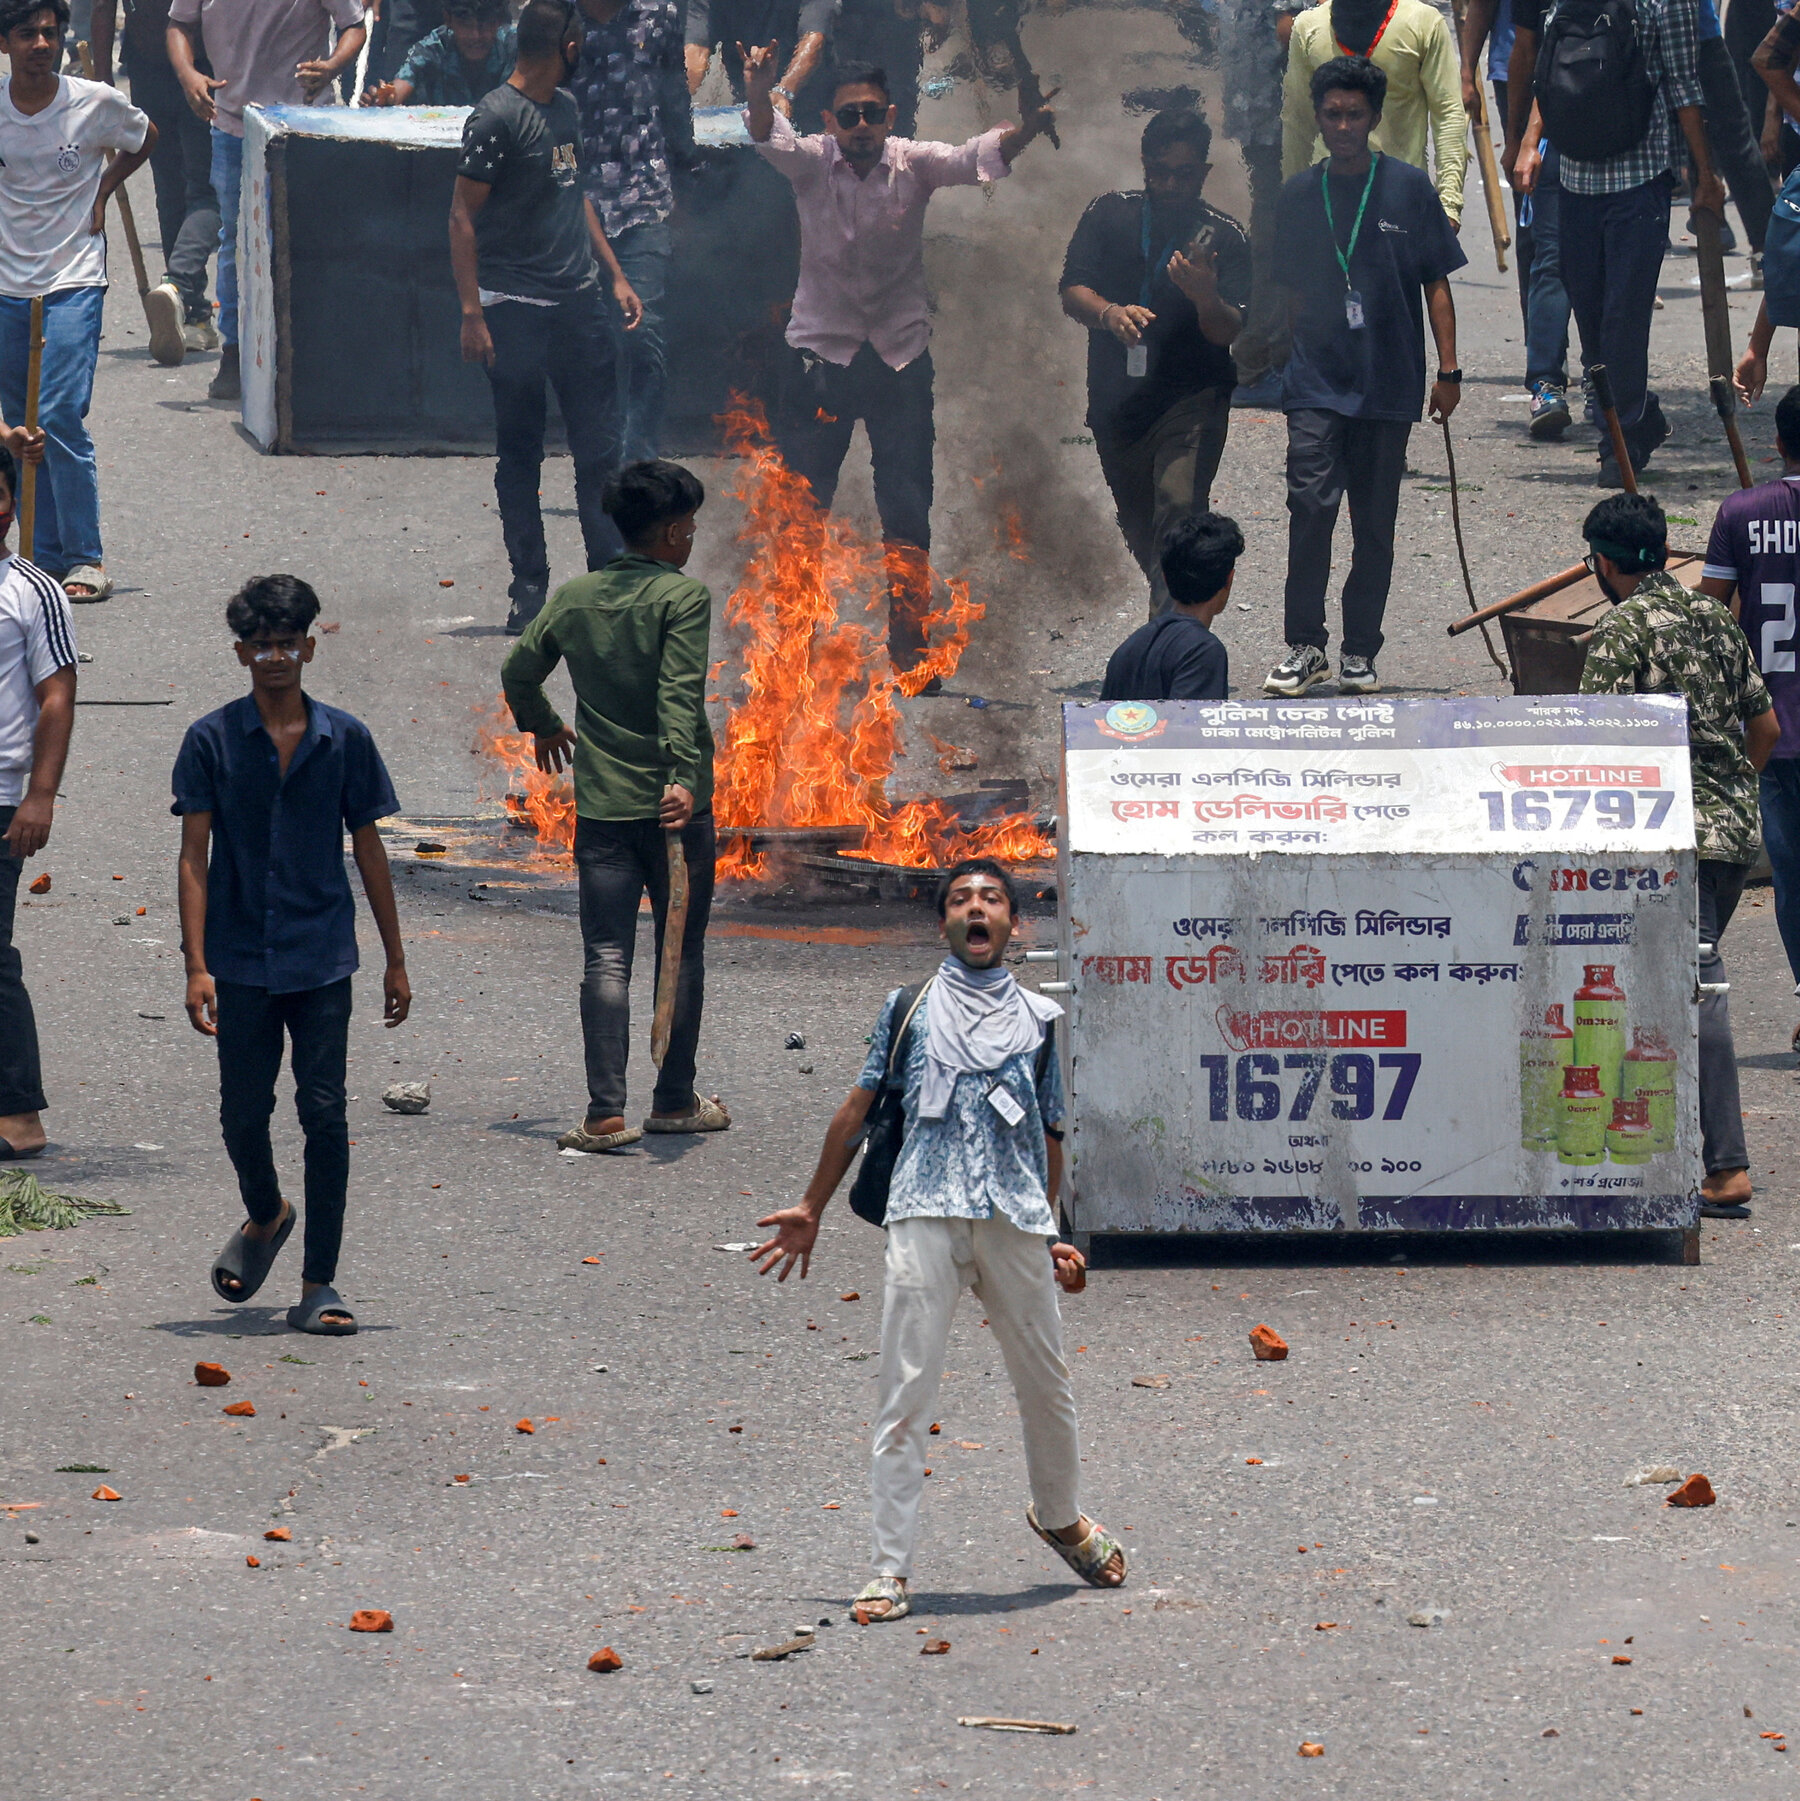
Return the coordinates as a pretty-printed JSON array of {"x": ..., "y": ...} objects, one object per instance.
[
  {"x": 37, "y": 638},
  {"x": 50, "y": 168}
]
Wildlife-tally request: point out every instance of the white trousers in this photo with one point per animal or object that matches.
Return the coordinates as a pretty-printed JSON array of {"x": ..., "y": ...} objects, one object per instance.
[{"x": 929, "y": 1263}]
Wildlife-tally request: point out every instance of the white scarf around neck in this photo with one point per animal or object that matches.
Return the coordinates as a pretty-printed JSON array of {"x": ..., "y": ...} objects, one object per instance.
[{"x": 974, "y": 1020}]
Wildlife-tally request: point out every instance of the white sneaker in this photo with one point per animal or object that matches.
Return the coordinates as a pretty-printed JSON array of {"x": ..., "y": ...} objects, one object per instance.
[
  {"x": 1356, "y": 675},
  {"x": 1305, "y": 666},
  {"x": 1754, "y": 284},
  {"x": 200, "y": 334},
  {"x": 162, "y": 307}
]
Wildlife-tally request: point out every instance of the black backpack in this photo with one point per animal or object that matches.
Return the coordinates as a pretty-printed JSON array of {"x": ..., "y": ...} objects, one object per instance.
[
  {"x": 1592, "y": 85},
  {"x": 884, "y": 1131}
]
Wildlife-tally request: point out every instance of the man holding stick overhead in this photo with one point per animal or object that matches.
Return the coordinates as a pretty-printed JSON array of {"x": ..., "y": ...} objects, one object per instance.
[
  {"x": 635, "y": 636},
  {"x": 55, "y": 181}
]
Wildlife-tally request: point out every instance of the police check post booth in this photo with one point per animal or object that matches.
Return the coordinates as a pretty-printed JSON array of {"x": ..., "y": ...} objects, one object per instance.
[{"x": 1381, "y": 966}]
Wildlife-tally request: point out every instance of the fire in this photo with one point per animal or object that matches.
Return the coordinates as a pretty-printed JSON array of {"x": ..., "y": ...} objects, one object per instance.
[
  {"x": 545, "y": 802},
  {"x": 817, "y": 731}
]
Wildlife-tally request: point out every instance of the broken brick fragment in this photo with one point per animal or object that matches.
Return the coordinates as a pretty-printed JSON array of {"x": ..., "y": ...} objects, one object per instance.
[
  {"x": 606, "y": 1660},
  {"x": 524, "y": 1426},
  {"x": 371, "y": 1619},
  {"x": 462, "y": 1478},
  {"x": 1696, "y": 1491},
  {"x": 1620, "y": 1657},
  {"x": 1270, "y": 1347},
  {"x": 103, "y": 1493},
  {"x": 243, "y": 1410},
  {"x": 1309, "y": 1749},
  {"x": 936, "y": 1647},
  {"x": 41, "y": 885},
  {"x": 279, "y": 1535},
  {"x": 211, "y": 1375},
  {"x": 254, "y": 1562}
]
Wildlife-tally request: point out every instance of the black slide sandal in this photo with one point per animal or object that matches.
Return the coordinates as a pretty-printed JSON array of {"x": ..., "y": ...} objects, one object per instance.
[
  {"x": 307, "y": 1317},
  {"x": 249, "y": 1260}
]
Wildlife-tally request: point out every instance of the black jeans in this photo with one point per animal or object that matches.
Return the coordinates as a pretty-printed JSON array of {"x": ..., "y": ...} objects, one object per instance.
[
  {"x": 615, "y": 861},
  {"x": 1721, "y": 1111},
  {"x": 570, "y": 347},
  {"x": 1330, "y": 456},
  {"x": 821, "y": 403},
  {"x": 21, "y": 1078},
  {"x": 1734, "y": 142},
  {"x": 187, "y": 209},
  {"x": 251, "y": 1024}
]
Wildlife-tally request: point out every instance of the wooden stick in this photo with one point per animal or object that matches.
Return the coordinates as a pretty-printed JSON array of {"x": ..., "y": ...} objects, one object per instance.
[
  {"x": 34, "y": 369},
  {"x": 674, "y": 929},
  {"x": 1462, "y": 556},
  {"x": 996, "y": 1723},
  {"x": 127, "y": 217},
  {"x": 1603, "y": 398},
  {"x": 1484, "y": 156},
  {"x": 1724, "y": 399},
  {"x": 1525, "y": 596}
]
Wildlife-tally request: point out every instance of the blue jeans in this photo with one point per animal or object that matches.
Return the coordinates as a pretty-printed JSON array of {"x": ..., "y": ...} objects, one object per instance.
[
  {"x": 68, "y": 485},
  {"x": 643, "y": 252},
  {"x": 1780, "y": 790},
  {"x": 1546, "y": 299},
  {"x": 1612, "y": 250},
  {"x": 227, "y": 180}
]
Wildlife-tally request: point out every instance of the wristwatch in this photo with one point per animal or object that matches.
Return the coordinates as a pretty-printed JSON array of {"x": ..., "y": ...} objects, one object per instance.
[
  {"x": 785, "y": 93},
  {"x": 1452, "y": 376}
]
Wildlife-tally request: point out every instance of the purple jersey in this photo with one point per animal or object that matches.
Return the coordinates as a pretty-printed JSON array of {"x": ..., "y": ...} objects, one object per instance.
[{"x": 1756, "y": 543}]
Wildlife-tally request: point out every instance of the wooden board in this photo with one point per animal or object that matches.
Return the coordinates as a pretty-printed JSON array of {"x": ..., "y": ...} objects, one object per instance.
[{"x": 1545, "y": 642}]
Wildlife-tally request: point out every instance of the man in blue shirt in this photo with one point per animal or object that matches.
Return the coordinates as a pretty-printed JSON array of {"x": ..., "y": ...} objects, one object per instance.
[
  {"x": 969, "y": 1206},
  {"x": 1176, "y": 656},
  {"x": 268, "y": 930}
]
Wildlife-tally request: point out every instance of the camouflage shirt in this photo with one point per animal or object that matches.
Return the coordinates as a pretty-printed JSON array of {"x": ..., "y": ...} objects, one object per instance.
[{"x": 1666, "y": 639}]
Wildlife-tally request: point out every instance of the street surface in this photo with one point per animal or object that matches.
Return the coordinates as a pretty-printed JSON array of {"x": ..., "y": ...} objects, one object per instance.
[{"x": 1450, "y": 1439}]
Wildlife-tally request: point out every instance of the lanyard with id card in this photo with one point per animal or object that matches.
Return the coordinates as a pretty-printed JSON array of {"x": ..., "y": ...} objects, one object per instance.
[
  {"x": 1353, "y": 305},
  {"x": 1003, "y": 1103}
]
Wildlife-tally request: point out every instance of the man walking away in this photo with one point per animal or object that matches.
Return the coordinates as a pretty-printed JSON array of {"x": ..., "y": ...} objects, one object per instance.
[
  {"x": 1410, "y": 43},
  {"x": 1611, "y": 74},
  {"x": 265, "y": 789},
  {"x": 1161, "y": 280},
  {"x": 465, "y": 58},
  {"x": 1662, "y": 638},
  {"x": 37, "y": 714},
  {"x": 1753, "y": 565},
  {"x": 1364, "y": 249},
  {"x": 263, "y": 53},
  {"x": 861, "y": 316},
  {"x": 635, "y": 636},
  {"x": 187, "y": 209},
  {"x": 55, "y": 181},
  {"x": 527, "y": 250},
  {"x": 969, "y": 1206},
  {"x": 636, "y": 127},
  {"x": 1176, "y": 656}
]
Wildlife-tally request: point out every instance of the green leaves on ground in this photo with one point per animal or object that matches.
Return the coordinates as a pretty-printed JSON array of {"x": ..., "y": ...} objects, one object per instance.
[{"x": 27, "y": 1206}]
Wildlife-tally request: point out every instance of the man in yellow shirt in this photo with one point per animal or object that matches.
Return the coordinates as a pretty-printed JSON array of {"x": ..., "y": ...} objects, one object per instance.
[{"x": 1410, "y": 42}]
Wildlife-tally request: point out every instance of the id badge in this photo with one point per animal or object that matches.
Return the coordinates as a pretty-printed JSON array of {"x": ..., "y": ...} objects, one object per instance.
[
  {"x": 1137, "y": 361},
  {"x": 1353, "y": 309},
  {"x": 1003, "y": 1103}
]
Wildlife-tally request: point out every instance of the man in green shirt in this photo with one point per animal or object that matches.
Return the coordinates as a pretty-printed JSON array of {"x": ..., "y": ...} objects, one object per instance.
[
  {"x": 1662, "y": 638},
  {"x": 635, "y": 635}
]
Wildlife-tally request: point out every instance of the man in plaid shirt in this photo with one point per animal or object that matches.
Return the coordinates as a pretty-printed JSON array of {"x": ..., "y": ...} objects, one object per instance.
[{"x": 1615, "y": 212}]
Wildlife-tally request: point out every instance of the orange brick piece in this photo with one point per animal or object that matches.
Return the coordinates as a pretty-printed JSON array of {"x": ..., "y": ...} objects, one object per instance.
[
  {"x": 1270, "y": 1347},
  {"x": 1696, "y": 1491},
  {"x": 1619, "y": 1657},
  {"x": 103, "y": 1493},
  {"x": 371, "y": 1619},
  {"x": 211, "y": 1375},
  {"x": 606, "y": 1660},
  {"x": 1309, "y": 1749},
  {"x": 278, "y": 1535},
  {"x": 254, "y": 1562},
  {"x": 524, "y": 1426},
  {"x": 242, "y": 1410},
  {"x": 41, "y": 885}
]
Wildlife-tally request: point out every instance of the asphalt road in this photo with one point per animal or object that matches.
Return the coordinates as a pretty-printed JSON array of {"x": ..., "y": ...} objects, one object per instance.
[{"x": 1451, "y": 1435}]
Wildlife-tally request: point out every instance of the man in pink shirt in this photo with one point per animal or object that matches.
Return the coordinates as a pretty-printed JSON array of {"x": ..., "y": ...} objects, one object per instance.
[
  {"x": 860, "y": 326},
  {"x": 264, "y": 53}
]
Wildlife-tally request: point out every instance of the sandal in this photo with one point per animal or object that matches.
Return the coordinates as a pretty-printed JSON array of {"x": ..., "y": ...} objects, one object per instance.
[
  {"x": 1089, "y": 1558},
  {"x": 579, "y": 1138},
  {"x": 307, "y": 1317},
  {"x": 90, "y": 576},
  {"x": 248, "y": 1260},
  {"x": 706, "y": 1115},
  {"x": 884, "y": 1591}
]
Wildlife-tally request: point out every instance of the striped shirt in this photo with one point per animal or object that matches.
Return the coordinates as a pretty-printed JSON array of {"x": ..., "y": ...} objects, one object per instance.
[{"x": 37, "y": 638}]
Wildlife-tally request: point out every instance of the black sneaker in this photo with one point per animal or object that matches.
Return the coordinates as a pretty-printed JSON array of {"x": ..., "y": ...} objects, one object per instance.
[
  {"x": 1549, "y": 411},
  {"x": 225, "y": 385},
  {"x": 1305, "y": 666},
  {"x": 527, "y": 603},
  {"x": 1356, "y": 675}
]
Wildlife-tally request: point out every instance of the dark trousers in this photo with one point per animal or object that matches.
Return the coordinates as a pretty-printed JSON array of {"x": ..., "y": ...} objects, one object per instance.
[
  {"x": 821, "y": 404},
  {"x": 187, "y": 209},
  {"x": 1331, "y": 456},
  {"x": 1747, "y": 23},
  {"x": 1733, "y": 142},
  {"x": 1547, "y": 300},
  {"x": 317, "y": 1022},
  {"x": 1612, "y": 252},
  {"x": 643, "y": 252},
  {"x": 21, "y": 1078},
  {"x": 568, "y": 347},
  {"x": 1779, "y": 787},
  {"x": 616, "y": 860},
  {"x": 1721, "y": 1111}
]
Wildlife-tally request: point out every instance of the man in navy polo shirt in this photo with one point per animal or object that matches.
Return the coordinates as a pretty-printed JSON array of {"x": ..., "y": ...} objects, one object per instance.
[{"x": 268, "y": 930}]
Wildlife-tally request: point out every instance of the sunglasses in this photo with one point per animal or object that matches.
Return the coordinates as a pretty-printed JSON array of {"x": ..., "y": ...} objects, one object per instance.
[{"x": 869, "y": 112}]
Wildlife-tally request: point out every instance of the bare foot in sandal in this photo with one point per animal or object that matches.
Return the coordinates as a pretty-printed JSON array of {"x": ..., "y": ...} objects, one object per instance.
[{"x": 1112, "y": 1572}]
